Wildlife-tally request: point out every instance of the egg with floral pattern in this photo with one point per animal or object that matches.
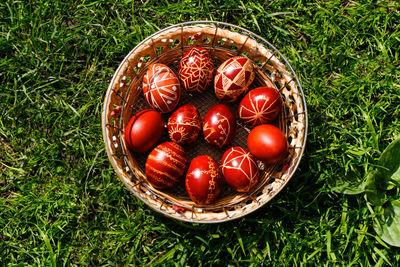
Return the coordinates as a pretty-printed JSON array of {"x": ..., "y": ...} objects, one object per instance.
[
  {"x": 196, "y": 70},
  {"x": 184, "y": 124},
  {"x": 219, "y": 125}
]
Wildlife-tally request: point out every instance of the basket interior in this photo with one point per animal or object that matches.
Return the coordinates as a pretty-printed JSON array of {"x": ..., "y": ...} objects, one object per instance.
[
  {"x": 167, "y": 47},
  {"x": 203, "y": 102}
]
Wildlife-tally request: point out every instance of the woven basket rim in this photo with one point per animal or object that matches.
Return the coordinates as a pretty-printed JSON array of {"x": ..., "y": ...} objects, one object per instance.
[{"x": 216, "y": 24}]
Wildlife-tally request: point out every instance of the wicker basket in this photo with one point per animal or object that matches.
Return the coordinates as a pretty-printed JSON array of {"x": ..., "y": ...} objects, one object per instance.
[{"x": 124, "y": 97}]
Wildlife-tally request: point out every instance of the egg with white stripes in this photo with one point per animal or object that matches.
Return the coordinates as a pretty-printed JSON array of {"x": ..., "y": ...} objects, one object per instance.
[{"x": 165, "y": 165}]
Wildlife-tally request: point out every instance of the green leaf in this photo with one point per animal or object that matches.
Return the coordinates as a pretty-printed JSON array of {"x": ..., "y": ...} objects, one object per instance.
[
  {"x": 388, "y": 224},
  {"x": 348, "y": 187},
  {"x": 385, "y": 176},
  {"x": 375, "y": 188},
  {"x": 396, "y": 176},
  {"x": 351, "y": 184},
  {"x": 389, "y": 162}
]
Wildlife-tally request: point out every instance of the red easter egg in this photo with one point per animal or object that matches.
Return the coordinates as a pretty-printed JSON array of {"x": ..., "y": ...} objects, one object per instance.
[
  {"x": 196, "y": 70},
  {"x": 144, "y": 130},
  {"x": 219, "y": 125},
  {"x": 260, "y": 105},
  {"x": 267, "y": 143},
  {"x": 184, "y": 124},
  {"x": 161, "y": 88},
  {"x": 165, "y": 165},
  {"x": 240, "y": 169},
  {"x": 203, "y": 180},
  {"x": 233, "y": 78}
]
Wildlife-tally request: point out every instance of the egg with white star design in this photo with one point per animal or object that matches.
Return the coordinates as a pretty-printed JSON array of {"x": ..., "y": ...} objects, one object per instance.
[
  {"x": 240, "y": 169},
  {"x": 259, "y": 106}
]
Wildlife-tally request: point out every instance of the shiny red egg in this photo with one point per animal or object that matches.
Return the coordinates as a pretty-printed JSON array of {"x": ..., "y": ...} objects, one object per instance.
[
  {"x": 259, "y": 106},
  {"x": 184, "y": 124},
  {"x": 233, "y": 78},
  {"x": 165, "y": 165},
  {"x": 203, "y": 180},
  {"x": 196, "y": 70},
  {"x": 144, "y": 130},
  {"x": 267, "y": 143},
  {"x": 240, "y": 169},
  {"x": 161, "y": 88},
  {"x": 219, "y": 125}
]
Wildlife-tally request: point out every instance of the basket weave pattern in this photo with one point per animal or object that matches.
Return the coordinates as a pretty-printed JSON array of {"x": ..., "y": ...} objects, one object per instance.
[{"x": 222, "y": 41}]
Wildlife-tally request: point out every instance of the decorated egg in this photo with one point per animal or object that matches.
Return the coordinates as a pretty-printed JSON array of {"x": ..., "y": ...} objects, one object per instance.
[
  {"x": 203, "y": 180},
  {"x": 196, "y": 70},
  {"x": 144, "y": 130},
  {"x": 233, "y": 78},
  {"x": 240, "y": 169},
  {"x": 219, "y": 125},
  {"x": 161, "y": 88},
  {"x": 267, "y": 143},
  {"x": 184, "y": 124},
  {"x": 165, "y": 165},
  {"x": 259, "y": 106}
]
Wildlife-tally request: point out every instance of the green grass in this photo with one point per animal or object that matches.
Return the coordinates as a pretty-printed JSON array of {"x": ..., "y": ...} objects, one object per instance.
[{"x": 61, "y": 202}]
